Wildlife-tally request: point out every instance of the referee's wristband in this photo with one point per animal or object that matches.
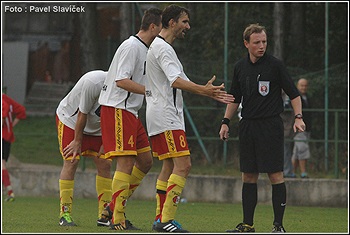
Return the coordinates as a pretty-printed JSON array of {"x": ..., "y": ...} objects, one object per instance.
[{"x": 225, "y": 121}]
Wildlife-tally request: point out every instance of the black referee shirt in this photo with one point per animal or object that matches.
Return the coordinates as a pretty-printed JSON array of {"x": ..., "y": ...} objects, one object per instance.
[{"x": 258, "y": 86}]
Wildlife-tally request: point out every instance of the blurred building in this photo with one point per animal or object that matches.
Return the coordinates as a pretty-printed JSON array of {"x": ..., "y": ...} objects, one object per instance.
[{"x": 43, "y": 45}]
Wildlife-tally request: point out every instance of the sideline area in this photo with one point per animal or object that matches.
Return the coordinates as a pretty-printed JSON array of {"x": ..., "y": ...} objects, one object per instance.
[{"x": 42, "y": 180}]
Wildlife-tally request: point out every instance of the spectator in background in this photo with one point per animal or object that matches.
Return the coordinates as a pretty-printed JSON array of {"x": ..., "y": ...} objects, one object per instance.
[
  {"x": 301, "y": 150},
  {"x": 12, "y": 113},
  {"x": 288, "y": 120},
  {"x": 61, "y": 69},
  {"x": 48, "y": 77}
]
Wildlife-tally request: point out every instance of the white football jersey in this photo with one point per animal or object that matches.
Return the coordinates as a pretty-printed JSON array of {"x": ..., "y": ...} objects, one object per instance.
[
  {"x": 164, "y": 110},
  {"x": 128, "y": 63},
  {"x": 84, "y": 97}
]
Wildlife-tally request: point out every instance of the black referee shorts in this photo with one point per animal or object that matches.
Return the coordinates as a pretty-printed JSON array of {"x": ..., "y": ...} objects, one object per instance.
[{"x": 261, "y": 143}]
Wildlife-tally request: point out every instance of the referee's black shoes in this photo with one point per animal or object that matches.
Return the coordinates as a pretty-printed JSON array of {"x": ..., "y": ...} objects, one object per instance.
[{"x": 277, "y": 228}]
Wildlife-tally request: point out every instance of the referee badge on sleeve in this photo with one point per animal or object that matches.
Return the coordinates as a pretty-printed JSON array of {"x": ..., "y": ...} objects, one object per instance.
[{"x": 264, "y": 87}]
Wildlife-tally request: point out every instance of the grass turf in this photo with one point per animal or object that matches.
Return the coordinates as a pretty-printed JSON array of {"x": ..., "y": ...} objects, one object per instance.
[{"x": 41, "y": 215}]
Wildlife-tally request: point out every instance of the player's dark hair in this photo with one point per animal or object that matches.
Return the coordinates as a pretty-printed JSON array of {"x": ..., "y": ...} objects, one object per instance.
[
  {"x": 173, "y": 12},
  {"x": 151, "y": 15},
  {"x": 253, "y": 28}
]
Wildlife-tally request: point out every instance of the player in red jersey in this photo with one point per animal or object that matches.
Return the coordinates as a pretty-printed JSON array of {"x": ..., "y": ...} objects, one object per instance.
[{"x": 12, "y": 113}]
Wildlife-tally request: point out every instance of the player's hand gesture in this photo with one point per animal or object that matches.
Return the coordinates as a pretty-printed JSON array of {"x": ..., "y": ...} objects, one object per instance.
[{"x": 218, "y": 93}]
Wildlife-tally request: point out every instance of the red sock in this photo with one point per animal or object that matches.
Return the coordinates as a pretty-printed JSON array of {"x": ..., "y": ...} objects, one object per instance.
[
  {"x": 6, "y": 181},
  {"x": 9, "y": 192},
  {"x": 5, "y": 178}
]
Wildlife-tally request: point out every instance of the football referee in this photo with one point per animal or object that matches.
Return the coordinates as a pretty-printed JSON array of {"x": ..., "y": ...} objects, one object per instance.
[{"x": 257, "y": 84}]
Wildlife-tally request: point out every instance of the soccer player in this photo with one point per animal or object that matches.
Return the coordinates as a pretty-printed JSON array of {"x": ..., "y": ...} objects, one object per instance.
[
  {"x": 164, "y": 114},
  {"x": 79, "y": 134},
  {"x": 124, "y": 137},
  {"x": 12, "y": 113}
]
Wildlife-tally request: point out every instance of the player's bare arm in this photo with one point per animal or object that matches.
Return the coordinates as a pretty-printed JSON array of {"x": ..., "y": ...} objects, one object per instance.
[
  {"x": 14, "y": 123},
  {"x": 216, "y": 92},
  {"x": 131, "y": 86}
]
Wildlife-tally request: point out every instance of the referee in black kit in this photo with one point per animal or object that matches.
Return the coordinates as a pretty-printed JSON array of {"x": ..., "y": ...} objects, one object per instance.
[{"x": 258, "y": 80}]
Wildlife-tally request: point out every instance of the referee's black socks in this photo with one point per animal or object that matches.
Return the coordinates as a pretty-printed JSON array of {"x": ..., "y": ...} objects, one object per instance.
[
  {"x": 249, "y": 201},
  {"x": 279, "y": 198}
]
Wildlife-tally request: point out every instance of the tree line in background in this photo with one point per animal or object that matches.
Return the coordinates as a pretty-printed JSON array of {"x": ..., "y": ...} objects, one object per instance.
[
  {"x": 296, "y": 34},
  {"x": 296, "y": 31}
]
